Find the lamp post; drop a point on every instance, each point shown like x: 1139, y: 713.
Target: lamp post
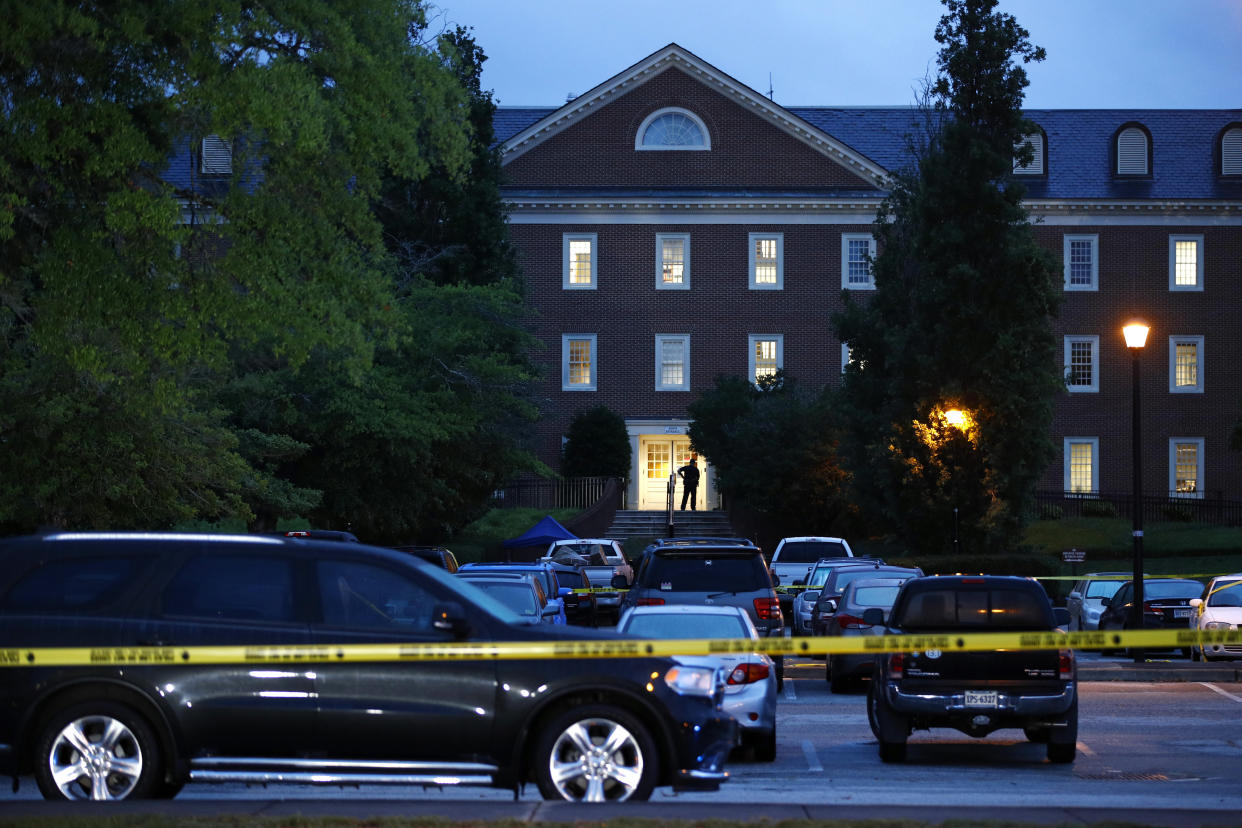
x: 956, y: 418
x: 1135, y: 332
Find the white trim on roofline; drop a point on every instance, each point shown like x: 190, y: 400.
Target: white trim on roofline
x: 673, y: 55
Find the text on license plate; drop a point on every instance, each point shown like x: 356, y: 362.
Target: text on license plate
x: 981, y: 698
x: 1181, y: 613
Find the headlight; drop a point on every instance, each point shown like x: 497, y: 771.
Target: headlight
x: 1217, y: 625
x: 691, y: 681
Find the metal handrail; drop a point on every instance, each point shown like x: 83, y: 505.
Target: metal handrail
x: 672, y: 488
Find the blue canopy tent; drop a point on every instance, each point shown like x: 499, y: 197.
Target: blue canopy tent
x: 541, y: 534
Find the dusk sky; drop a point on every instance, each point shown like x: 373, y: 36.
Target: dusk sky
x: 1123, y: 54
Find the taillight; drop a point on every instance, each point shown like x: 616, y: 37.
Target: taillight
x: 1065, y: 665
x: 650, y: 602
x: 747, y: 673
x: 850, y: 622
x: 896, y: 665
x: 767, y: 608
x: 1148, y: 606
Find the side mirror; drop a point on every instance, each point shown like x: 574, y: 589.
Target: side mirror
x: 1196, y: 602
x: 550, y: 611
x: 1075, y: 594
x: 1104, y: 602
x: 619, y: 582
x: 829, y: 606
x: 1062, y: 616
x: 450, y: 617
x: 811, y: 595
x: 873, y: 616
x: 564, y: 592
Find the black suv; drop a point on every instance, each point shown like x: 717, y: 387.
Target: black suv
x: 146, y: 713
x: 974, y: 692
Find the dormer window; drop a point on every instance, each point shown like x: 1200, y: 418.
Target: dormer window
x: 672, y: 129
x: 1036, y: 165
x: 1231, y: 151
x: 217, y: 156
x: 1133, y: 151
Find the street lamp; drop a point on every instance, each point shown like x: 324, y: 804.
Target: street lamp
x: 1135, y: 332
x: 959, y: 420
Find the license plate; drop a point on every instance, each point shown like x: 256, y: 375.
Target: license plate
x: 1181, y: 613
x: 981, y: 698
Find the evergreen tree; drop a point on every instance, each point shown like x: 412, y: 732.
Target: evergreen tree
x: 962, y: 313
x: 597, y: 445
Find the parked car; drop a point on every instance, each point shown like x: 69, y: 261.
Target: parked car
x: 138, y: 719
x: 793, y: 558
x: 520, y: 593
x: 602, y: 559
x: 1166, y: 606
x: 437, y: 555
x: 1085, y: 601
x: 1220, y: 608
x: 830, y: 593
x: 750, y: 691
x: 575, y: 589
x: 542, y: 572
x: 975, y: 693
x: 804, y: 600
x: 845, y: 669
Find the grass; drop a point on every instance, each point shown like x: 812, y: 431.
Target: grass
x: 483, y: 539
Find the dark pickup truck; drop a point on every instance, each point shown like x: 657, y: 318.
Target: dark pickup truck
x: 974, y: 692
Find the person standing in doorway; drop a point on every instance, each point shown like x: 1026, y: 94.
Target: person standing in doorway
x: 689, y: 482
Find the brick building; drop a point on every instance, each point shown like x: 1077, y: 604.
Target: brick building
x: 675, y: 225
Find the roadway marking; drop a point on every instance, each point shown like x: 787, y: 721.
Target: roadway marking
x: 1222, y: 692
x: 1084, y: 750
x: 790, y: 695
x: 812, y: 761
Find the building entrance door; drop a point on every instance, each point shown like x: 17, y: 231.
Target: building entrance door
x: 659, y: 457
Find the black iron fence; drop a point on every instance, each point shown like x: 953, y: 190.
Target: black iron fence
x: 1212, y: 507
x: 571, y: 493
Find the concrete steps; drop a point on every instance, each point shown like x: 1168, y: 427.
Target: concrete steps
x: 630, y: 523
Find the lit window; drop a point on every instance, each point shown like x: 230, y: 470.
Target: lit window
x: 1082, y: 473
x: 1036, y: 164
x: 1081, y: 254
x: 578, y: 362
x: 1133, y: 152
x: 578, y: 250
x: 672, y: 129
x: 1186, y: 467
x: 766, y: 266
x: 1185, y: 262
x: 1082, y: 363
x: 766, y: 355
x: 857, y: 251
x: 1231, y: 151
x: 672, y: 362
x: 1186, y: 364
x: 672, y: 261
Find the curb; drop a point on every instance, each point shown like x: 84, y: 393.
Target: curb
x: 1154, y: 671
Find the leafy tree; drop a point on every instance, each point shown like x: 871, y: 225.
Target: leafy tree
x: 961, y: 317
x: 775, y: 449
x: 597, y: 445
x: 120, y: 320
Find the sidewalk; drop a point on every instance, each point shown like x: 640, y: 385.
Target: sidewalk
x: 1155, y: 669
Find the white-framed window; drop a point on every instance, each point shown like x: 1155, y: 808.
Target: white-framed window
x: 1185, y: 262
x: 1036, y: 165
x: 1186, y: 467
x: 1186, y: 364
x: 1081, y: 254
x: 216, y: 156
x: 857, y: 251
x: 767, y: 355
x: 672, y: 128
x: 1082, y: 465
x: 578, y: 361
x: 1082, y: 363
x: 672, y: 261
x: 579, y: 258
x: 767, y: 265
x: 672, y: 362
x: 1132, y: 152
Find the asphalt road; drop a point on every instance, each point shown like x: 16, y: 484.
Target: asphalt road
x: 1161, y: 744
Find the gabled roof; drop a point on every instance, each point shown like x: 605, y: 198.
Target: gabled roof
x: 519, y: 139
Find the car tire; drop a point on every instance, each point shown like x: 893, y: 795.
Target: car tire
x: 765, y: 746
x: 780, y: 672
x: 123, y: 760
x: 890, y: 727
x: 871, y: 702
x: 1063, y: 740
x: 626, y: 771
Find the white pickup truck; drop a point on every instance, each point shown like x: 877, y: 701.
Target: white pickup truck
x: 794, y: 557
x: 601, y: 559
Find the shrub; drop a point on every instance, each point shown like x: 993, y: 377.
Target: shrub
x: 1099, y: 508
x: 1175, y: 512
x: 1051, y: 511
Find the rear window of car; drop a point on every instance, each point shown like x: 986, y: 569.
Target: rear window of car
x: 706, y: 573
x: 685, y: 625
x: 845, y: 577
x: 73, y: 584
x: 1171, y: 589
x: 810, y: 551
x: 876, y: 596
x: 995, y: 609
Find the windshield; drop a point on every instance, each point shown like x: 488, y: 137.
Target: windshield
x: 684, y: 625
x: 810, y: 551
x: 820, y: 574
x: 1226, y: 594
x: 516, y: 595
x: 1102, y: 589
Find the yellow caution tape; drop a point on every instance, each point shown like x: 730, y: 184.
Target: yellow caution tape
x: 621, y: 648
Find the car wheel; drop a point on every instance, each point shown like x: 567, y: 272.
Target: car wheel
x: 890, y: 728
x: 765, y: 746
x: 98, y: 751
x: 1063, y: 740
x: 595, y: 753
x: 871, y: 702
